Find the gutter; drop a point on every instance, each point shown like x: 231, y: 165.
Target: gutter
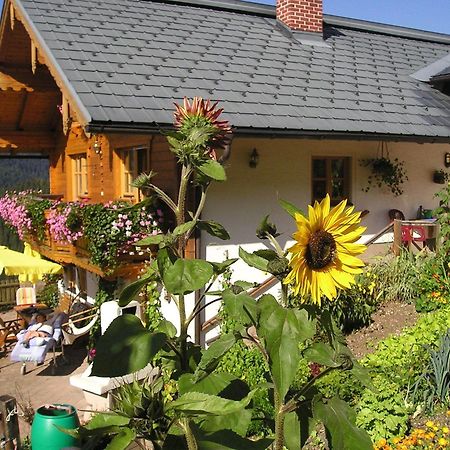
x: 271, y: 133
x: 82, y: 113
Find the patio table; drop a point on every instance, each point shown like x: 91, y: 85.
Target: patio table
x: 421, y: 233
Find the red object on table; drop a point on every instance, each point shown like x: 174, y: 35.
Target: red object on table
x: 408, y: 232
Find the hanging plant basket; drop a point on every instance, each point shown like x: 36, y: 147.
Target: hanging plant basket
x: 385, y: 172
x: 439, y: 177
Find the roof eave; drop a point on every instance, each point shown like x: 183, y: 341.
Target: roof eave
x: 153, y: 127
x: 58, y: 74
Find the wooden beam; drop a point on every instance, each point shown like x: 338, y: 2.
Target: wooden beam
x: 19, y: 124
x: 65, y: 111
x: 26, y: 141
x: 34, y: 56
x: 12, y: 15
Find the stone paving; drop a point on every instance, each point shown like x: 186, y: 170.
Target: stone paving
x: 40, y: 385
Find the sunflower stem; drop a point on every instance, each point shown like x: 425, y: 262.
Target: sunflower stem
x: 279, y: 422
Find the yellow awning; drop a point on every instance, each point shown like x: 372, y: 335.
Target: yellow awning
x: 28, y: 265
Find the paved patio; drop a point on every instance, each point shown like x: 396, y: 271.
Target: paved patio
x: 40, y: 386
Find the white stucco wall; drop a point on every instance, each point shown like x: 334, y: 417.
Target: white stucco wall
x: 284, y: 171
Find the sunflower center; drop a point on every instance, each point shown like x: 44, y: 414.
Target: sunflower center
x: 321, y: 250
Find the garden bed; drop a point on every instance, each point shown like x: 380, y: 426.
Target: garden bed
x: 390, y: 319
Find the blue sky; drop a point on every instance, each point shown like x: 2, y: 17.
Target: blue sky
x: 431, y: 15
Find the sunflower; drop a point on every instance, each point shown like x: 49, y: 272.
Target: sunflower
x: 202, y: 113
x: 324, y: 255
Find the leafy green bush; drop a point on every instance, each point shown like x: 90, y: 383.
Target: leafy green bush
x: 434, y: 284
x: 354, y: 307
x: 397, y: 276
x: 432, y: 387
x: 382, y: 412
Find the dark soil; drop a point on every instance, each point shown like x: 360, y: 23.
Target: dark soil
x: 390, y: 319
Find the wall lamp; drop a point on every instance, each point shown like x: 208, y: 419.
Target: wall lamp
x: 447, y: 160
x: 254, y: 159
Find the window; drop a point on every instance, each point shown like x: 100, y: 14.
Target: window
x: 135, y: 161
x: 80, y: 175
x: 330, y: 175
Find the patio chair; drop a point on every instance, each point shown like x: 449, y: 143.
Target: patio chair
x: 25, y: 296
x: 38, y: 353
x: 8, y: 331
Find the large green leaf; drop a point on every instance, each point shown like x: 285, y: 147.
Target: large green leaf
x: 187, y: 275
x: 290, y: 208
x: 151, y: 240
x: 107, y: 419
x: 238, y: 422
x: 197, y: 403
x: 227, y: 440
x: 165, y: 260
x: 339, y: 421
x: 322, y: 354
x: 122, y: 440
x: 130, y: 292
x: 298, y: 426
x: 214, y: 229
x: 213, y: 354
x: 253, y: 260
x: 185, y: 227
x: 283, y: 329
x: 220, y: 268
x: 213, y: 170
x: 240, y: 307
x: 126, y: 347
x: 167, y: 327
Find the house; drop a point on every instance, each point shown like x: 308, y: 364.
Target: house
x: 310, y: 96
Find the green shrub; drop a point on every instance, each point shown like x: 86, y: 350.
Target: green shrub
x: 382, y: 412
x: 432, y: 387
x: 248, y: 364
x: 402, y: 358
x: 434, y: 284
x: 397, y: 277
x: 354, y: 307
x: 394, y: 366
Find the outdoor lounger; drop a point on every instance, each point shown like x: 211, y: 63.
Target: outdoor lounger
x: 37, y: 350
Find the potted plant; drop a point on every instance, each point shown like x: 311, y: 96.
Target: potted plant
x: 440, y: 177
x: 385, y: 172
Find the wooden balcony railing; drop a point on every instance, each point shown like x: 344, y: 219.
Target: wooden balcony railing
x: 78, y: 254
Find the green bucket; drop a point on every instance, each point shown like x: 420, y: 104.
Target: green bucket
x: 44, y: 432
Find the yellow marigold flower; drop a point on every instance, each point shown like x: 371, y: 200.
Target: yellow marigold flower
x: 429, y: 424
x: 442, y: 441
x: 445, y: 430
x: 324, y: 255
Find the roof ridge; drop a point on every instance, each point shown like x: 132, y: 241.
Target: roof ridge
x: 258, y: 9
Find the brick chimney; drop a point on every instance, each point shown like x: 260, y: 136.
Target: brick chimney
x: 301, y: 15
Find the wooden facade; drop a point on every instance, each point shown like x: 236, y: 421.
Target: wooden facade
x: 40, y: 116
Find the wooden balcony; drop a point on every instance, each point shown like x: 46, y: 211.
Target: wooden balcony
x: 129, y: 266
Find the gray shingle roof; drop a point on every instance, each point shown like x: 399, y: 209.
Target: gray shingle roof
x: 129, y: 60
